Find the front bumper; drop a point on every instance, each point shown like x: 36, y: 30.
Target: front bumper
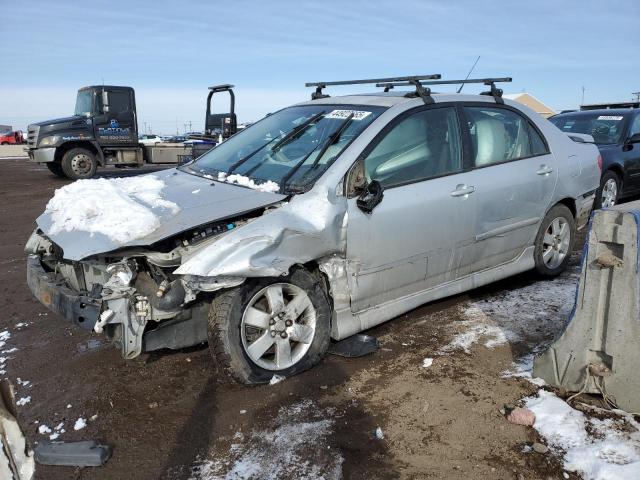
x: 41, y: 155
x: 54, y: 294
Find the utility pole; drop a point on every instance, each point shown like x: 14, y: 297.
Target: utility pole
x: 190, y: 126
x: 637, y: 94
x: 582, y: 103
x: 145, y: 127
x: 185, y: 128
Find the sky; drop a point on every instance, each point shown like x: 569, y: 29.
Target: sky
x: 170, y: 52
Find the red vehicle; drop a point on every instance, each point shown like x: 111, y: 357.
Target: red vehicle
x: 11, y: 138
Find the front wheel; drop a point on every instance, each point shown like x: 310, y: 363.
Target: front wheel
x: 270, y: 326
x: 79, y: 163
x: 56, y: 169
x: 609, y: 191
x: 554, y: 241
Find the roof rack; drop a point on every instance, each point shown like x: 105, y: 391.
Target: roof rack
x: 491, y: 82
x: 414, y: 80
x: 600, y: 106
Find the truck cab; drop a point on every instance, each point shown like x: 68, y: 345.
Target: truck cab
x: 102, y: 131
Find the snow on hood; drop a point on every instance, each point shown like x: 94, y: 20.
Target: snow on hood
x: 123, y: 209
x: 90, y: 217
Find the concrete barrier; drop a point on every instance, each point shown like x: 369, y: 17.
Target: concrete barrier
x: 12, y: 151
x: 599, y: 351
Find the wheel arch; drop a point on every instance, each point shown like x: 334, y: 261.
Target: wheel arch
x: 618, y: 170
x: 568, y: 202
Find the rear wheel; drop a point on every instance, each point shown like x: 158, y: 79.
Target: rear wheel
x: 270, y: 326
x: 554, y: 241
x: 609, y: 191
x: 56, y: 169
x: 79, y: 163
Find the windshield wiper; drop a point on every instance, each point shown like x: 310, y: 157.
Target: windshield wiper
x: 331, y: 139
x: 297, y: 131
x: 247, y: 157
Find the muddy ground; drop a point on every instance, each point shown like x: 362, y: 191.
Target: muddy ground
x: 167, y: 416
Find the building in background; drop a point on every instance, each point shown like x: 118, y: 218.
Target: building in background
x: 531, y: 102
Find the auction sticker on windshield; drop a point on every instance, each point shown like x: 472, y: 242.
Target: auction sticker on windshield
x: 610, y: 117
x: 344, y: 114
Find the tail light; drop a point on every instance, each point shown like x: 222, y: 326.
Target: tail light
x: 600, y: 162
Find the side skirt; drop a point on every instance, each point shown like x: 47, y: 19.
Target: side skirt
x: 346, y: 323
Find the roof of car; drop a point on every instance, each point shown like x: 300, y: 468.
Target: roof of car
x: 389, y: 99
x: 600, y: 111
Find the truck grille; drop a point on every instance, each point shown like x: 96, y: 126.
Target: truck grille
x: 32, y: 136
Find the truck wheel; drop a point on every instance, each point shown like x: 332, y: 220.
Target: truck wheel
x: 270, y: 326
x: 5, y: 143
x: 79, y: 163
x: 554, y: 242
x: 56, y: 169
x: 608, y: 192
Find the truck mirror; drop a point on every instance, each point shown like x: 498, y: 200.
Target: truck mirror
x: 105, y: 101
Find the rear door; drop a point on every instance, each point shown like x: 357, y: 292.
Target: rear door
x: 514, y: 176
x: 414, y: 238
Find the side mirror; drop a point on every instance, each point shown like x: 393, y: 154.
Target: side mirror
x: 105, y: 101
x: 635, y: 138
x: 371, y: 197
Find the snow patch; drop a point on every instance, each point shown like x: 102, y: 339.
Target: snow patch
x: 427, y: 362
x: 43, y: 430
x: 120, y: 208
x: 595, y: 449
x: 379, y: 433
x: 276, y: 379
x: 297, y: 442
x: 268, y: 186
x: 23, y: 401
x: 80, y: 424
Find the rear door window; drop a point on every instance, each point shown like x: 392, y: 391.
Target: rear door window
x: 423, y: 145
x: 118, y: 102
x: 500, y: 135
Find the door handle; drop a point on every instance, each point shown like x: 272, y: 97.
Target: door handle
x: 544, y: 170
x: 463, y: 190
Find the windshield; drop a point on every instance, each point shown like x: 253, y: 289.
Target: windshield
x: 290, y: 148
x: 84, y: 102
x: 604, y: 129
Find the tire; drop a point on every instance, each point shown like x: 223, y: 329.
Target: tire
x: 609, y: 190
x: 232, y: 334
x: 56, y: 169
x: 5, y: 143
x: 79, y: 163
x: 553, y: 247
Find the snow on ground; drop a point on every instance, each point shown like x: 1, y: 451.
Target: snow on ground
x: 80, y: 424
x: 528, y: 317
x: 595, y: 449
x: 123, y: 209
x: 268, y: 186
x: 295, y: 447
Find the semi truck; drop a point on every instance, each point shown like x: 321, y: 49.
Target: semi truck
x: 103, y: 131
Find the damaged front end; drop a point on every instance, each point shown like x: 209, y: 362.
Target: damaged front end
x: 132, y: 296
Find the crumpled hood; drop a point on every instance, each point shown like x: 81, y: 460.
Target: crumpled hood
x: 200, y: 201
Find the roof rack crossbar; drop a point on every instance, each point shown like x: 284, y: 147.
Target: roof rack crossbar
x: 495, y: 92
x: 412, y: 79
x: 485, y: 81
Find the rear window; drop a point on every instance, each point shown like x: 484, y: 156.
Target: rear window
x: 605, y: 128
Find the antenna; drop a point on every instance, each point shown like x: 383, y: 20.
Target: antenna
x: 469, y: 74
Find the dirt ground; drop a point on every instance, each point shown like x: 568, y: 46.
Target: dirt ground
x: 167, y: 416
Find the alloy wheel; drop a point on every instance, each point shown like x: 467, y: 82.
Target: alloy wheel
x: 556, y: 242
x: 609, y: 193
x: 278, y: 326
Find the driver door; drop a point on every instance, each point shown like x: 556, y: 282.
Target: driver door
x: 415, y: 238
